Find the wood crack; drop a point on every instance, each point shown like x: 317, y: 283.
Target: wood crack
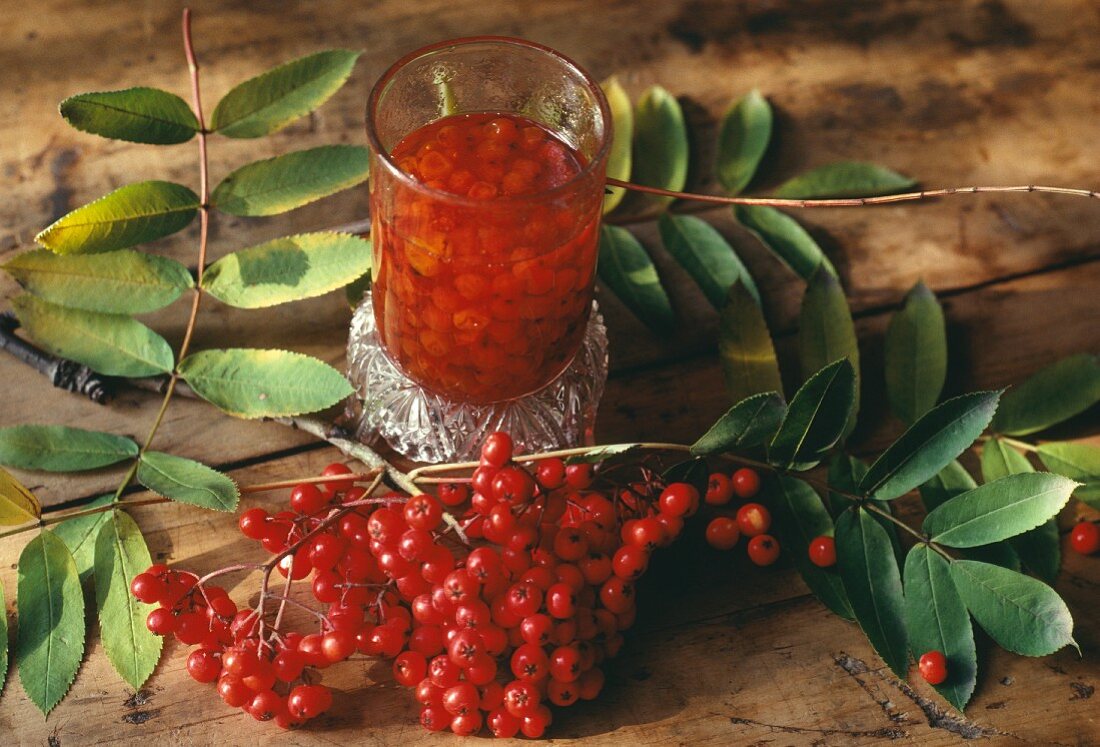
x: 886, y: 732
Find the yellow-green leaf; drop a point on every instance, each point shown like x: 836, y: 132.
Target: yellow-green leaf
x: 1080, y: 462
x: 660, y: 143
x: 745, y: 347
x: 1056, y: 393
x: 134, y: 214
x: 187, y: 481
x: 844, y: 179
x: 626, y: 268
x: 785, y: 238
x: 58, y: 448
x: 79, y: 533
x: 743, y: 140
x: 139, y: 115
x: 274, y: 99
x: 916, y: 355
x: 111, y: 344
x: 17, y: 504
x: 622, y: 120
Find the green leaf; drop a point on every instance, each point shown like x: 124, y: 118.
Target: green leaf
x: 845, y: 472
x: 826, y: 333
x: 111, y: 344
x: 356, y: 289
x: 134, y: 214
x: 949, y: 482
x: 622, y: 120
x: 79, y: 535
x: 785, y: 238
x: 3, y: 637
x: 844, y: 179
x: 745, y: 347
x: 1001, y: 460
x: 706, y: 256
x: 50, y: 642
x: 929, y: 445
x: 692, y: 471
x: 264, y: 383
x: 799, y: 518
x: 998, y: 510
x: 627, y: 270
x: 121, y: 554
x: 742, y: 141
x: 17, y: 504
x: 751, y: 422
x: 865, y: 559
x: 57, y: 448
x: 602, y: 454
x: 276, y: 185
x: 1056, y: 393
x: 274, y: 99
x: 999, y: 553
x: 187, y: 481
x: 1080, y: 462
x: 916, y: 355
x: 288, y: 269
x: 139, y: 115
x: 937, y: 620
x: 1021, y: 614
x: 815, y: 418
x: 660, y: 143
x: 120, y: 282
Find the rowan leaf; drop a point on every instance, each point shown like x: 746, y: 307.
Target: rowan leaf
x: 1022, y: 614
x: 187, y: 481
x: 274, y: 99
x: 706, y: 256
x: 844, y: 179
x: 627, y: 269
x: 1080, y: 462
x: 916, y: 355
x: 17, y: 504
x: 139, y: 115
x: 785, y: 238
x: 1056, y: 393
x: 111, y: 344
x: 277, y: 185
x: 845, y: 472
x: 742, y: 141
x: 58, y: 448
x: 949, y: 482
x: 750, y: 423
x: 263, y: 383
x: 865, y: 559
x: 79, y: 535
x: 660, y: 143
x: 826, y: 333
x: 133, y: 214
x: 745, y: 347
x: 929, y: 445
x: 815, y: 418
x: 1001, y: 460
x: 50, y: 641
x: 937, y: 620
x: 622, y: 121
x: 121, y: 554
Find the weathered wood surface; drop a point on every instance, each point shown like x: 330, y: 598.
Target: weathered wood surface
x: 952, y: 93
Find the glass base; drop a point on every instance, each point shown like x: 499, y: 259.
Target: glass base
x: 427, y: 427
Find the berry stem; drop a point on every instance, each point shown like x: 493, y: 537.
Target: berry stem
x: 284, y: 600
x: 280, y: 484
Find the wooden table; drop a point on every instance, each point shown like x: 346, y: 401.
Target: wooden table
x: 974, y: 92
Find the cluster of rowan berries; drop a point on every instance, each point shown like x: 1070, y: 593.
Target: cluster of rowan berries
x: 752, y: 519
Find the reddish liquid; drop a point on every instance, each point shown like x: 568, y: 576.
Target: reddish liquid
x: 486, y: 296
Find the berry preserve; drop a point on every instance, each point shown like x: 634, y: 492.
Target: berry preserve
x: 484, y: 254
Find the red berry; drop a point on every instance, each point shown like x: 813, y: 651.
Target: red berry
x: 497, y: 449
x: 561, y: 601
x: 309, y: 701
x: 467, y: 723
x: 630, y: 562
x: 590, y: 683
x: 723, y: 533
x: 324, y: 551
x: 461, y: 698
x: 753, y: 519
x: 423, y: 512
x: 570, y: 543
x: 288, y: 665
x: 253, y: 523
x: 617, y: 595
x: 565, y: 663
x: 822, y: 551
x: 336, y: 486
x: 1085, y: 538
x: 148, y: 588
x: 933, y: 667
x: 338, y: 645
x: 648, y: 533
x: 513, y: 485
x: 579, y: 476
x: 719, y: 490
x: 233, y: 692
x: 746, y: 483
x: 550, y: 473
x: 307, y: 499
x: 454, y: 493
x: 203, y: 666
x: 679, y: 499
x: 434, y: 718
x: 443, y: 672
x: 265, y: 705
x: 521, y: 698
x: 562, y: 693
x: 503, y: 724
x: 763, y: 549
x: 535, y: 724
x: 161, y: 621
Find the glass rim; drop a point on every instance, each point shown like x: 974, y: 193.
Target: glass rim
x: 408, y: 181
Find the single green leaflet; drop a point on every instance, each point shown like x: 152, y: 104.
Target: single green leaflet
x: 660, y: 143
x: 627, y: 269
x: 949, y: 482
x: 111, y: 344
x: 139, y: 115
x: 1021, y: 614
x: 826, y: 333
x: 815, y: 418
x: 869, y: 570
x: 1056, y: 393
x: 187, y: 481
x: 844, y: 179
x: 937, y: 438
x: 622, y: 120
x: 79, y: 535
x: 274, y: 99
x: 706, y: 256
x: 1080, y: 462
x: 937, y: 620
x: 119, y: 282
x: 785, y: 238
x: 750, y: 423
x: 58, y: 448
x: 133, y: 214
x: 799, y: 518
x: 916, y: 355
x: 276, y: 185
x: 845, y: 472
x: 121, y: 554
x: 745, y: 347
x: 742, y: 141
x: 50, y: 641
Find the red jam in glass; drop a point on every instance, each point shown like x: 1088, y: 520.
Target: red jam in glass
x: 483, y: 282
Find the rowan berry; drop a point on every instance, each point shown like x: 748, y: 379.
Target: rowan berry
x: 719, y: 490
x: 467, y: 723
x: 497, y: 449
x: 454, y: 493
x: 550, y: 473
x: 148, y: 588
x: 503, y: 724
x: 933, y: 667
x: 630, y: 562
x: 423, y: 512
x: 253, y: 523
x: 746, y: 483
x: 579, y: 476
x: 679, y: 499
x: 753, y: 519
x: 822, y: 551
x: 723, y: 533
x: 309, y: 701
x: 1085, y: 538
x: 336, y: 486
x: 513, y: 485
x: 763, y: 549
x: 307, y: 499
x: 204, y: 666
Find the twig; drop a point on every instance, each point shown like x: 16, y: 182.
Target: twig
x: 63, y: 374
